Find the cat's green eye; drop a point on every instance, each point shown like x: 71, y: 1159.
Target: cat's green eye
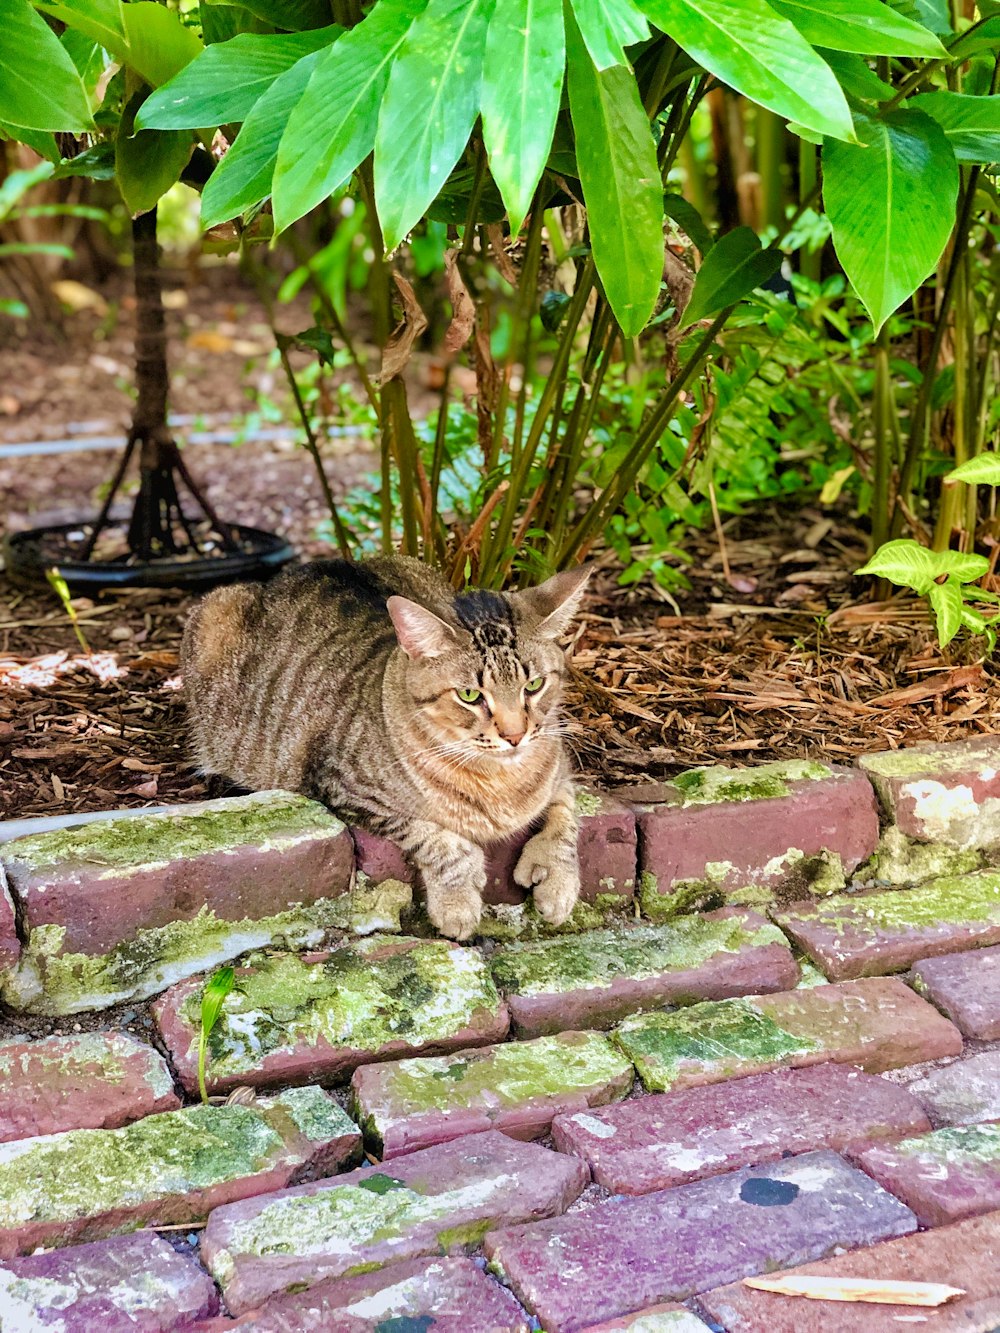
x: 469, y: 696
x: 533, y: 686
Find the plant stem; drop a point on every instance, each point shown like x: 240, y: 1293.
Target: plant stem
x: 882, y: 442
x: 645, y: 441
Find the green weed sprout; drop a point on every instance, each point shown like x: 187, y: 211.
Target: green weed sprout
x: 218, y: 987
x: 61, y: 589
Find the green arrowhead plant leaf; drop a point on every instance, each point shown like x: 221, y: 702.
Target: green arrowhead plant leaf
x: 735, y: 266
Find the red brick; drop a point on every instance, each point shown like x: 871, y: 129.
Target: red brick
x: 670, y: 1138
x: 865, y: 934
x: 117, y: 888
x: 10, y: 945
x: 85, y: 1184
x: 877, y: 1024
x: 963, y: 1255
x: 697, y: 834
x: 593, y: 980
x: 574, y: 1271
x: 943, y: 1176
x: 379, y: 859
x: 670, y: 1318
x: 941, y: 793
x: 517, y: 1087
x: 430, y: 1202
x: 448, y: 1295
x: 126, y: 1283
x: 965, y: 986
x: 294, y: 1019
x: 964, y: 1093
x: 96, y: 1080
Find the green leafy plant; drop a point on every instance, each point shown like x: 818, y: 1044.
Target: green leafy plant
x: 948, y: 579
x: 213, y: 997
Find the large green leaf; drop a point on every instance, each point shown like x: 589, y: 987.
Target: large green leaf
x: 103, y: 20
x: 222, y: 83
x: 430, y: 106
x: 616, y: 157
x: 142, y: 35
x: 332, y: 128
x: 292, y: 15
x: 243, y: 177
x: 159, y: 45
x: 855, y: 77
x: 746, y: 44
x: 40, y: 88
x: 866, y: 26
x: 735, y: 266
x: 525, y: 59
x: 148, y: 163
x: 971, y: 124
x: 891, y: 204
x: 42, y: 141
x: 608, y: 27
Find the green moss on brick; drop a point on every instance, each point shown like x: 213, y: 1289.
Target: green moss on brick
x: 717, y: 1038
x: 416, y: 991
x: 901, y: 860
x: 958, y: 1145
x: 268, y: 818
x: 705, y: 786
x: 931, y: 760
x: 952, y: 900
x: 83, y: 1173
x: 46, y: 981
x: 595, y: 960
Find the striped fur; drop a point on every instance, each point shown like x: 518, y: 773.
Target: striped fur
x: 343, y: 681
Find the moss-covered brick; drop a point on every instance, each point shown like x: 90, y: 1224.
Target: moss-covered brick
x: 719, y: 834
x: 859, y: 935
x: 943, y: 1176
x: 53, y: 980
x: 87, y: 1080
x: 941, y: 793
x: 175, y: 1167
x: 121, y: 908
x: 431, y: 1202
x: 263, y: 819
x: 877, y: 1024
x: 591, y: 980
x: 290, y: 1018
x: 706, y: 786
x: 900, y: 861
x: 517, y: 1087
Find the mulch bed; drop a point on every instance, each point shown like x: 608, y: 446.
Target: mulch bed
x: 799, y: 667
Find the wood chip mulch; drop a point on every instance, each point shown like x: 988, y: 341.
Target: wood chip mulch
x: 773, y: 653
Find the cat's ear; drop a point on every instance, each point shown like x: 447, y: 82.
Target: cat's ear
x: 420, y: 632
x: 551, y: 606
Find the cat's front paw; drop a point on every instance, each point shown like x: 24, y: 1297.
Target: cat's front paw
x: 455, y: 914
x: 556, y: 895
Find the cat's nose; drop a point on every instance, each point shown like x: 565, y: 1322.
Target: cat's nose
x: 513, y: 737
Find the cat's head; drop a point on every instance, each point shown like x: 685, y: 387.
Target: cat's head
x: 488, y: 684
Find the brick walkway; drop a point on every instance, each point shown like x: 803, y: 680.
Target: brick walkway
x: 768, y: 1040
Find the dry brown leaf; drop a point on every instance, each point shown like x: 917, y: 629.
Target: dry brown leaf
x: 871, y: 1290
x: 945, y: 682
x: 498, y: 244
x: 399, y: 348
x: 463, y: 307
x: 162, y: 659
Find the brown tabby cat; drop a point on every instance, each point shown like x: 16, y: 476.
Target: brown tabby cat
x: 433, y: 717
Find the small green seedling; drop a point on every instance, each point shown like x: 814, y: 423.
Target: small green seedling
x: 214, y: 996
x: 948, y: 579
x: 61, y: 589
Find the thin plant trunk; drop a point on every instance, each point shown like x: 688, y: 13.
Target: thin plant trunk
x: 158, y: 516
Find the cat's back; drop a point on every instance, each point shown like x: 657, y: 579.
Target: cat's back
x: 265, y: 665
